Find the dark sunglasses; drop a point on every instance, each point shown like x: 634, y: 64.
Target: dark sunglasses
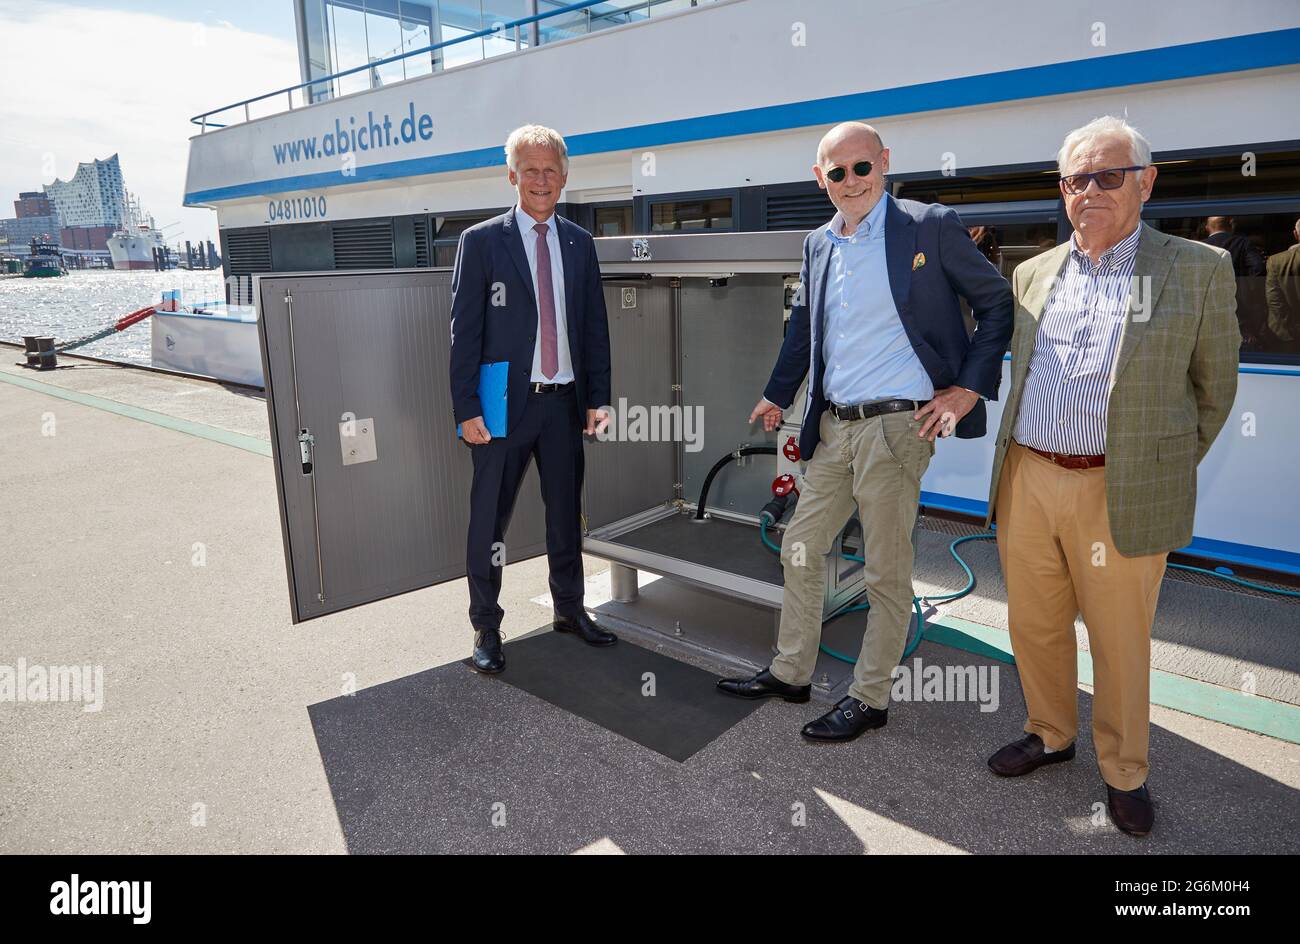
x: 861, y: 168
x: 1109, y: 179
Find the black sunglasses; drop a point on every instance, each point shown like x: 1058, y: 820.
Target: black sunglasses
x: 1109, y: 179
x: 861, y: 168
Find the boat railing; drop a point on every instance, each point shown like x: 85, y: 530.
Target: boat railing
x: 320, y: 89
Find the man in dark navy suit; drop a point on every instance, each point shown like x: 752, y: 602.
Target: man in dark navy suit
x: 526, y: 290
x: 880, y: 327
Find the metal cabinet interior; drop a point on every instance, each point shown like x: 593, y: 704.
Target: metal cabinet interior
x: 373, y: 484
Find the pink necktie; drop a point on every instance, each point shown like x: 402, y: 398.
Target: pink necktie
x: 546, y: 303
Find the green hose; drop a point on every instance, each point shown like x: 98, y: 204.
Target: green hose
x: 916, y: 601
x: 1222, y: 574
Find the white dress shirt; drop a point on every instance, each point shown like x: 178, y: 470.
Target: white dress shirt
x: 526, y: 223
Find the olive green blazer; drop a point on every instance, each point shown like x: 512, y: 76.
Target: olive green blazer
x: 1174, y: 381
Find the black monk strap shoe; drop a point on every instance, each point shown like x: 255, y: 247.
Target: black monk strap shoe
x: 848, y: 719
x: 764, y: 685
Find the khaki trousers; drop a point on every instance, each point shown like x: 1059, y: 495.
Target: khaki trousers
x: 1059, y: 560
x: 873, y: 465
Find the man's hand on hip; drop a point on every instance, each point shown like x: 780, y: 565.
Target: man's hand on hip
x: 597, y: 420
x: 945, y: 411
x: 770, y: 412
x: 475, y: 431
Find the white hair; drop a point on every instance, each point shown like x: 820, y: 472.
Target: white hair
x: 539, y: 136
x: 1107, y: 126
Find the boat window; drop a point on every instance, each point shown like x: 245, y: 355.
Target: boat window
x: 447, y: 237
x: 714, y: 213
x: 1267, y: 265
x: 613, y: 220
x: 983, y: 188
x: 1006, y: 245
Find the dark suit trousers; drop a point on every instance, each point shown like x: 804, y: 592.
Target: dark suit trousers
x: 550, y: 431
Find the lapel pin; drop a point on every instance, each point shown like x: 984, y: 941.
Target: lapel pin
x: 918, y: 260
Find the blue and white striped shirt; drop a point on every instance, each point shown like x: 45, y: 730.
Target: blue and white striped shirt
x: 1063, y: 407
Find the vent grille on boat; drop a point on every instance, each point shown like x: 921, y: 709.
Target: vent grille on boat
x: 248, y: 252
x: 798, y: 210
x: 422, y: 243
x: 363, y: 245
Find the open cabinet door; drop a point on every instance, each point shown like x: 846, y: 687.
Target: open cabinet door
x: 373, y: 483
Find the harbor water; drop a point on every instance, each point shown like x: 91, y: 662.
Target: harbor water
x: 84, y: 301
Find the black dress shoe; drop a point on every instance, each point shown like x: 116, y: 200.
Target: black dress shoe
x: 584, y: 627
x: 845, y: 721
x: 1029, y: 753
x: 764, y: 685
x: 487, y: 657
x: 1131, y: 810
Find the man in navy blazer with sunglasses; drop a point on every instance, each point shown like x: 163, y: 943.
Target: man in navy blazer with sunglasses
x: 526, y: 290
x: 879, y: 327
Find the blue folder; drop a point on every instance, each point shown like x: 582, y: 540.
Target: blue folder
x: 492, y: 396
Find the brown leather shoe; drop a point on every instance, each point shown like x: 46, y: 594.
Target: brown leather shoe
x: 1131, y: 810
x: 1028, y: 754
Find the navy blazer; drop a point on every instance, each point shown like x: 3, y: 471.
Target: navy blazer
x: 931, y: 260
x: 494, y: 315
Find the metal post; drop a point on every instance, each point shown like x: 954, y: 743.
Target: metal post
x: 622, y: 583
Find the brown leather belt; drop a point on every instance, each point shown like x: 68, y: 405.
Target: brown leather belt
x: 1069, y: 462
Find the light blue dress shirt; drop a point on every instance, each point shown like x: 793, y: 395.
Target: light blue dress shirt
x: 530, y: 236
x: 866, y: 351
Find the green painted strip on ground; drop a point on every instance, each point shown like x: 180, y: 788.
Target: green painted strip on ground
x: 248, y: 443
x: 1228, y: 706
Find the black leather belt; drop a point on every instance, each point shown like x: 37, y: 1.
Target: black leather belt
x: 549, y: 388
x: 864, y: 411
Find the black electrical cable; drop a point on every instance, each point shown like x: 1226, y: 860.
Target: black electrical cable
x: 721, y: 464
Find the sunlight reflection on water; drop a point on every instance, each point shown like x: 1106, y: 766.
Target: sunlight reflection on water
x: 85, y: 301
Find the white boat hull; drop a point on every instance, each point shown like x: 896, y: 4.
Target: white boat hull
x: 131, y: 252
x: 218, y: 346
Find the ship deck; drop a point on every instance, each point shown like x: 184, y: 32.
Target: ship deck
x: 142, y: 534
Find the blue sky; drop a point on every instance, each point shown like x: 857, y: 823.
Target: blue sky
x: 124, y: 77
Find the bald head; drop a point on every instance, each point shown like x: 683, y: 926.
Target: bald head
x: 1219, y: 224
x: 851, y: 167
x: 851, y: 133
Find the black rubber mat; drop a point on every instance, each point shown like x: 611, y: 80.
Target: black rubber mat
x: 660, y: 703
x: 713, y: 542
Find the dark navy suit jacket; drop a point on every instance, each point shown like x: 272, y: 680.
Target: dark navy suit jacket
x: 931, y: 260
x: 491, y: 266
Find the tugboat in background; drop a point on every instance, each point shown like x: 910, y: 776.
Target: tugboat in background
x: 46, y: 259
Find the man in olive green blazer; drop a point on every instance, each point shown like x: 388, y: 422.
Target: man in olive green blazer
x: 1282, y: 288
x: 1123, y: 371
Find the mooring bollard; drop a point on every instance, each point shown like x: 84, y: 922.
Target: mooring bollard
x: 40, y: 352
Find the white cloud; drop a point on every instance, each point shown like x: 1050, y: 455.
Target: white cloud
x: 86, y: 83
